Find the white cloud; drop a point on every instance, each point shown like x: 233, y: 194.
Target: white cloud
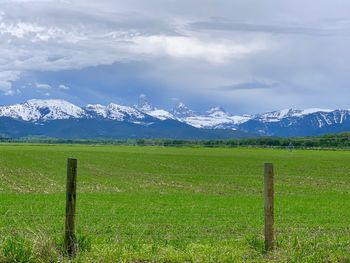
x: 42, y: 86
x: 6, y: 79
x: 19, y: 30
x: 67, y: 37
x: 287, y: 42
x: 33, y: 32
x: 193, y: 48
x: 63, y: 87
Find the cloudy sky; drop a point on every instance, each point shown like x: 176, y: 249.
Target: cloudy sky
x: 248, y: 56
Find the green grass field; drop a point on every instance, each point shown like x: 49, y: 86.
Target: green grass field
x: 154, y: 204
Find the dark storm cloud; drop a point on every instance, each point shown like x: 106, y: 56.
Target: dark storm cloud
x: 249, y: 56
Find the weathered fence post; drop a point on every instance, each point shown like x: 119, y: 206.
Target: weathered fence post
x: 269, y: 207
x: 70, y: 238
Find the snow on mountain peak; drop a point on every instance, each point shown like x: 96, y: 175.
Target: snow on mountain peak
x: 182, y: 111
x: 95, y: 106
x: 56, y: 109
x: 216, y: 118
x: 314, y: 110
x: 115, y: 112
x: 146, y: 107
x: 276, y: 116
x: 181, y: 105
x: 35, y: 109
x: 97, y: 109
x: 121, y: 112
x: 216, y: 109
x: 143, y: 104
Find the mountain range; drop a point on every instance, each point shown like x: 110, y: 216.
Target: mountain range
x: 62, y: 119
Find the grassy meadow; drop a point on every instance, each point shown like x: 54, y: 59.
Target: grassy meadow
x: 157, y: 204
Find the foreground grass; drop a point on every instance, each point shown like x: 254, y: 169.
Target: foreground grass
x: 173, y: 204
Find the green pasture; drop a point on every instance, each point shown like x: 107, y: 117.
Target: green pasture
x: 160, y: 204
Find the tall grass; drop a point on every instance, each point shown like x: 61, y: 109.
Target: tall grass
x: 149, y: 204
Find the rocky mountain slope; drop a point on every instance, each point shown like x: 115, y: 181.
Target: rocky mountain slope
x: 288, y: 122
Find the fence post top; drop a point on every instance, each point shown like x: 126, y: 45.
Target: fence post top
x: 268, y: 164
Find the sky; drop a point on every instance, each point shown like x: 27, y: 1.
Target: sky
x: 247, y: 56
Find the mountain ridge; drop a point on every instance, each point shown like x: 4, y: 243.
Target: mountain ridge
x: 287, y: 122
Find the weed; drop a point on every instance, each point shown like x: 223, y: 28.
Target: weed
x: 18, y: 250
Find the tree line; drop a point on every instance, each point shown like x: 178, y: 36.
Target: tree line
x: 326, y: 141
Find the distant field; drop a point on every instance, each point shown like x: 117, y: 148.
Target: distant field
x: 156, y: 204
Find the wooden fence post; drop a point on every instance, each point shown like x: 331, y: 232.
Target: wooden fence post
x: 269, y: 207
x: 70, y: 238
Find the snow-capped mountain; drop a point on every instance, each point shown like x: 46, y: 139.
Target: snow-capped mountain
x: 288, y: 122
x: 181, y: 111
x: 276, y: 116
x: 61, y: 119
x: 146, y: 107
x: 116, y: 112
x: 215, y: 118
x: 42, y: 110
x: 292, y: 122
